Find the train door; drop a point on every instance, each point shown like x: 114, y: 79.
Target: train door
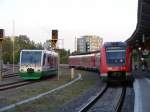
x: 51, y: 60
x: 44, y: 62
x: 55, y: 61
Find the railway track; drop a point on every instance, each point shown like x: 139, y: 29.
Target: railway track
x: 93, y: 106
x: 14, y: 85
x: 10, y: 75
x: 93, y: 100
x: 121, y: 100
x: 20, y: 83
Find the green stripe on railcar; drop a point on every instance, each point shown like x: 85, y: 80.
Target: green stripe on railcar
x: 37, y: 75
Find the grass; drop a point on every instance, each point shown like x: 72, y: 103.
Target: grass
x: 58, y: 98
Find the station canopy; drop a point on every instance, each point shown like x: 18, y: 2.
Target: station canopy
x: 141, y: 35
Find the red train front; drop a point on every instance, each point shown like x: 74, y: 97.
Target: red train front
x: 115, y: 62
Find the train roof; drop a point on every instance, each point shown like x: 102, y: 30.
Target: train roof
x: 108, y: 44
x: 85, y: 55
x: 44, y: 51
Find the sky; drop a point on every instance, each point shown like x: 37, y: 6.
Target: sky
x: 113, y: 20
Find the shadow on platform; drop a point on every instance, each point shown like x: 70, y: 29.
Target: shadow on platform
x: 141, y: 74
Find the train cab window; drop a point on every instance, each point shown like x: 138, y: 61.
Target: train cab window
x: 116, y: 57
x: 31, y: 57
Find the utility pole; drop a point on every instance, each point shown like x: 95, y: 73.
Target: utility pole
x: 1, y: 60
x: 60, y: 43
x: 75, y: 46
x: 13, y: 40
x: 58, y: 65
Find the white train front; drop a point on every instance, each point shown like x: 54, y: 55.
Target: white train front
x: 35, y: 64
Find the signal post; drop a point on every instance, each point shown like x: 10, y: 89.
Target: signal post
x: 53, y: 42
x: 54, y: 39
x: 1, y: 60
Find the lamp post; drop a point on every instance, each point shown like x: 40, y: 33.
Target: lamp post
x: 1, y: 60
x: 58, y: 65
x: 13, y: 41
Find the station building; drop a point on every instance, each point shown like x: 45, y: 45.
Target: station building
x: 140, y: 39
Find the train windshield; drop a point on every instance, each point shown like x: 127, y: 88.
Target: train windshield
x: 31, y: 57
x: 116, y: 57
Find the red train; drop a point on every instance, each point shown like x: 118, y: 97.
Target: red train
x: 113, y: 61
x: 85, y: 61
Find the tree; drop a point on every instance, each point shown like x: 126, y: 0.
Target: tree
x: 64, y: 54
x: 21, y: 42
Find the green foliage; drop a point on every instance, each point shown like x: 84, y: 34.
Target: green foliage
x: 23, y: 42
x: 7, y: 49
x: 20, y: 42
x: 64, y: 54
x: 135, y: 56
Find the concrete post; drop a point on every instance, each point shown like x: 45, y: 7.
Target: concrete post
x: 1, y: 62
x: 72, y: 73
x: 58, y: 73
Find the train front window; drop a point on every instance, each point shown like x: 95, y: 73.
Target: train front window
x: 31, y: 57
x: 115, y: 57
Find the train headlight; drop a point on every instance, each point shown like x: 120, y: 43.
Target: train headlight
x: 128, y: 73
x: 39, y: 70
x: 22, y: 70
x: 121, y: 60
x: 110, y: 68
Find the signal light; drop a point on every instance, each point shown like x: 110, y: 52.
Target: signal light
x: 54, y: 34
x: 1, y: 34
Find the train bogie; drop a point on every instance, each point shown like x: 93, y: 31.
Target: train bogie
x: 116, y: 76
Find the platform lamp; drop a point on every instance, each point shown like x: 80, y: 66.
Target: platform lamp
x: 1, y: 60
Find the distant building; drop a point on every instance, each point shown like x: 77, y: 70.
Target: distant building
x: 89, y: 43
x: 81, y: 45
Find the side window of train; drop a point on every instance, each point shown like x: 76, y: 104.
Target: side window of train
x: 54, y: 61
x: 48, y: 60
x: 99, y: 59
x: 44, y: 59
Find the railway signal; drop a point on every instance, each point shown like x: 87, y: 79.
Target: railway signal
x: 53, y: 43
x: 1, y: 60
x: 1, y: 34
x: 54, y: 39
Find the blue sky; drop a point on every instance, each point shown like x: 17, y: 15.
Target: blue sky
x: 113, y: 20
